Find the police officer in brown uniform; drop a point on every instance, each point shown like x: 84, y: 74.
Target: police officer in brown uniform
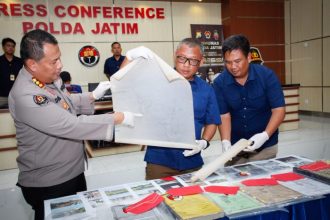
x: 49, y: 133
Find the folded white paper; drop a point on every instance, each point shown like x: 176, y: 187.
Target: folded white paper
x: 164, y: 98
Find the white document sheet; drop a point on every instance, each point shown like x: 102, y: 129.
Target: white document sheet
x: 154, y: 89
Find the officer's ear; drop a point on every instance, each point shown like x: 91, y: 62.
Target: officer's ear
x: 202, y: 61
x: 249, y: 57
x: 31, y: 64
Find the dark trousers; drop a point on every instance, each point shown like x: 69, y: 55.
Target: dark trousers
x: 155, y: 171
x: 35, y: 196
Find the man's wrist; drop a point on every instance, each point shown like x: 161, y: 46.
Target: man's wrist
x: 225, y: 141
x: 265, y: 133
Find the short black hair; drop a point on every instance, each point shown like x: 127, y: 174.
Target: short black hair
x: 32, y: 44
x: 65, y: 76
x: 236, y: 42
x: 191, y: 42
x: 115, y: 43
x: 6, y: 40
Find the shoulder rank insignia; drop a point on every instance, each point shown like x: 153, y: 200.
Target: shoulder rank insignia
x: 40, y: 100
x: 37, y: 82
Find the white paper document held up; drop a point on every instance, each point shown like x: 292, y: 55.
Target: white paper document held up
x: 153, y: 89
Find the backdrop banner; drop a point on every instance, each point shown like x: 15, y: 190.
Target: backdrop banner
x: 211, y: 37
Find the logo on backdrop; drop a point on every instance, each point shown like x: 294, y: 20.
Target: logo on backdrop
x: 89, y: 56
x: 256, y: 56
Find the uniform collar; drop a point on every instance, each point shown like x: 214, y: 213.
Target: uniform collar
x: 28, y: 75
x: 229, y: 79
x: 193, y: 81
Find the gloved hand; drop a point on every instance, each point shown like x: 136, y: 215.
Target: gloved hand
x: 101, y: 89
x: 129, y: 118
x: 139, y: 52
x: 201, y: 145
x: 226, y: 145
x: 258, y: 140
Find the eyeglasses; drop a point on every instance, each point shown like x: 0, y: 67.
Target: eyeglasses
x: 192, y: 62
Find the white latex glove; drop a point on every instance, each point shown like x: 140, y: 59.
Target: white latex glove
x: 139, y: 52
x: 101, y: 89
x: 226, y: 145
x: 129, y: 118
x: 201, y: 145
x: 258, y: 140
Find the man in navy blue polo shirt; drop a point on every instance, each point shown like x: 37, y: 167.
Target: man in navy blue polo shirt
x: 251, y: 102
x: 162, y: 161
x: 112, y: 64
x: 10, y: 65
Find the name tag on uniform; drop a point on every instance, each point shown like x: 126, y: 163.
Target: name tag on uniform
x: 12, y: 77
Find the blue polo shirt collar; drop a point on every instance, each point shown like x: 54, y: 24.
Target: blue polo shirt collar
x: 231, y: 80
x: 193, y: 80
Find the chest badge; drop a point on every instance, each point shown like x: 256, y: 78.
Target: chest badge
x: 40, y: 100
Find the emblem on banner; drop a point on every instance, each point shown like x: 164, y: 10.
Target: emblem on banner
x: 89, y: 56
x: 198, y: 34
x: 207, y: 34
x: 256, y: 56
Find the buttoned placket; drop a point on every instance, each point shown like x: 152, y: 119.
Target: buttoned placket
x: 245, y: 108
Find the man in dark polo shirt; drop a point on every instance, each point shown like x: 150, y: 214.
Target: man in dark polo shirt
x: 251, y: 102
x: 10, y: 65
x: 113, y: 63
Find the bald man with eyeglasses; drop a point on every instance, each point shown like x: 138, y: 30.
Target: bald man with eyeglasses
x: 162, y: 161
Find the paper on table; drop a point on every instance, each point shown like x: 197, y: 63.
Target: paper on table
x: 185, y: 191
x: 154, y: 89
x: 222, y: 189
x: 251, y: 170
x: 260, y: 182
x: 143, y: 188
x: 273, y: 166
x: 316, y: 166
x: 220, y: 161
x: 287, y: 176
x: 185, y: 179
x: 168, y: 178
x: 119, y: 194
x: 69, y: 207
x: 145, y: 204
x: 166, y: 185
x: 93, y: 197
x: 294, y: 160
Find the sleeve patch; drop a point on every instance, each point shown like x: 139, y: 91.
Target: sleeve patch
x: 40, y: 100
